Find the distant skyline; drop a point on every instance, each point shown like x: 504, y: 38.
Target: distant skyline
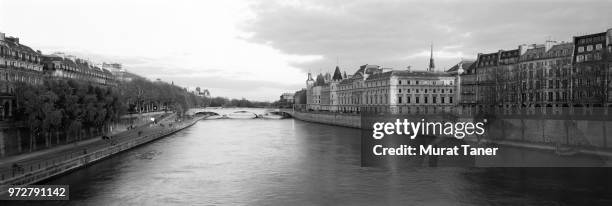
x: 261, y: 49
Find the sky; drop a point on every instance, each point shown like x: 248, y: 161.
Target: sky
x: 259, y: 49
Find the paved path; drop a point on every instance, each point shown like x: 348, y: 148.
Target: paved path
x: 39, y: 159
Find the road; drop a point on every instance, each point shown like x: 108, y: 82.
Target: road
x: 39, y: 159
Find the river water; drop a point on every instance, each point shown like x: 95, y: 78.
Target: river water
x: 291, y: 162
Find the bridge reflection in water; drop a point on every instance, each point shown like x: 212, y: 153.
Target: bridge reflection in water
x: 291, y: 162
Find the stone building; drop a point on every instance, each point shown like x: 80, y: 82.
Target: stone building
x: 542, y: 78
x: 117, y: 70
x: 592, y: 70
x: 487, y: 77
x: 286, y: 98
x: 468, y: 85
x: 18, y: 63
x: 531, y: 76
x: 350, y: 89
x: 299, y: 97
x: 418, y: 91
x: 457, y: 70
x: 333, y: 90
x: 376, y: 89
x: 58, y: 66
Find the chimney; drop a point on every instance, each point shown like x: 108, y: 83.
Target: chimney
x: 1, y: 36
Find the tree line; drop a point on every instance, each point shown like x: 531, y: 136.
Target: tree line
x: 68, y: 110
x: 226, y: 102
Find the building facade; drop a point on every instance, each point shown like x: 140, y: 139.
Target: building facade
x: 543, y: 75
x: 56, y: 66
x: 592, y: 70
x: 286, y: 98
x: 18, y: 64
x: 375, y: 89
x: 119, y: 73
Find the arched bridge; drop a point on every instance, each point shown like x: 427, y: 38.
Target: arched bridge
x: 225, y: 111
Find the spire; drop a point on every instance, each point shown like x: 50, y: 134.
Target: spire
x: 431, y: 61
x: 337, y: 75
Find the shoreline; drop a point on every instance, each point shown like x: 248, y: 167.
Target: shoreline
x: 88, y: 158
x: 355, y: 122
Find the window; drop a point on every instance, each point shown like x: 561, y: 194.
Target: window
x: 425, y: 100
x: 598, y: 47
x: 416, y: 100
x: 399, y: 100
x: 450, y: 100
x: 589, y: 48
x: 550, y: 96
x: 580, y: 49
x: 598, y: 56
x: 434, y: 100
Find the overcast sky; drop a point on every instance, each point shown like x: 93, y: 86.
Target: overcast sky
x: 260, y: 49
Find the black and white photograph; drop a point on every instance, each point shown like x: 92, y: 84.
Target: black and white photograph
x: 305, y: 102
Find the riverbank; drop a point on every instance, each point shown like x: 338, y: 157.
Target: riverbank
x: 84, y: 154
x: 354, y: 121
x: 336, y: 119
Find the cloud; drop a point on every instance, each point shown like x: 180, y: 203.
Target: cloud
x: 263, y: 48
x: 398, y: 33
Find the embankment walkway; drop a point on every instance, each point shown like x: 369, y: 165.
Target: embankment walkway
x: 13, y: 167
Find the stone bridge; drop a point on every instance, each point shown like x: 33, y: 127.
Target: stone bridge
x: 225, y: 111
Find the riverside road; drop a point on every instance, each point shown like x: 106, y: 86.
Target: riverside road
x: 19, y: 164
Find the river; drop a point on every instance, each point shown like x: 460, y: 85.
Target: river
x: 291, y: 162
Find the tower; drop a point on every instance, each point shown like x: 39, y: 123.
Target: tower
x: 431, y: 61
x: 309, y: 81
x: 337, y: 75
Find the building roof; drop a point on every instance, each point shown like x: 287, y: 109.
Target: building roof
x: 320, y: 80
x: 337, y: 75
x: 369, y: 69
x: 406, y: 73
x: 558, y: 50
x: 490, y: 59
x: 466, y: 64
x: 510, y: 54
